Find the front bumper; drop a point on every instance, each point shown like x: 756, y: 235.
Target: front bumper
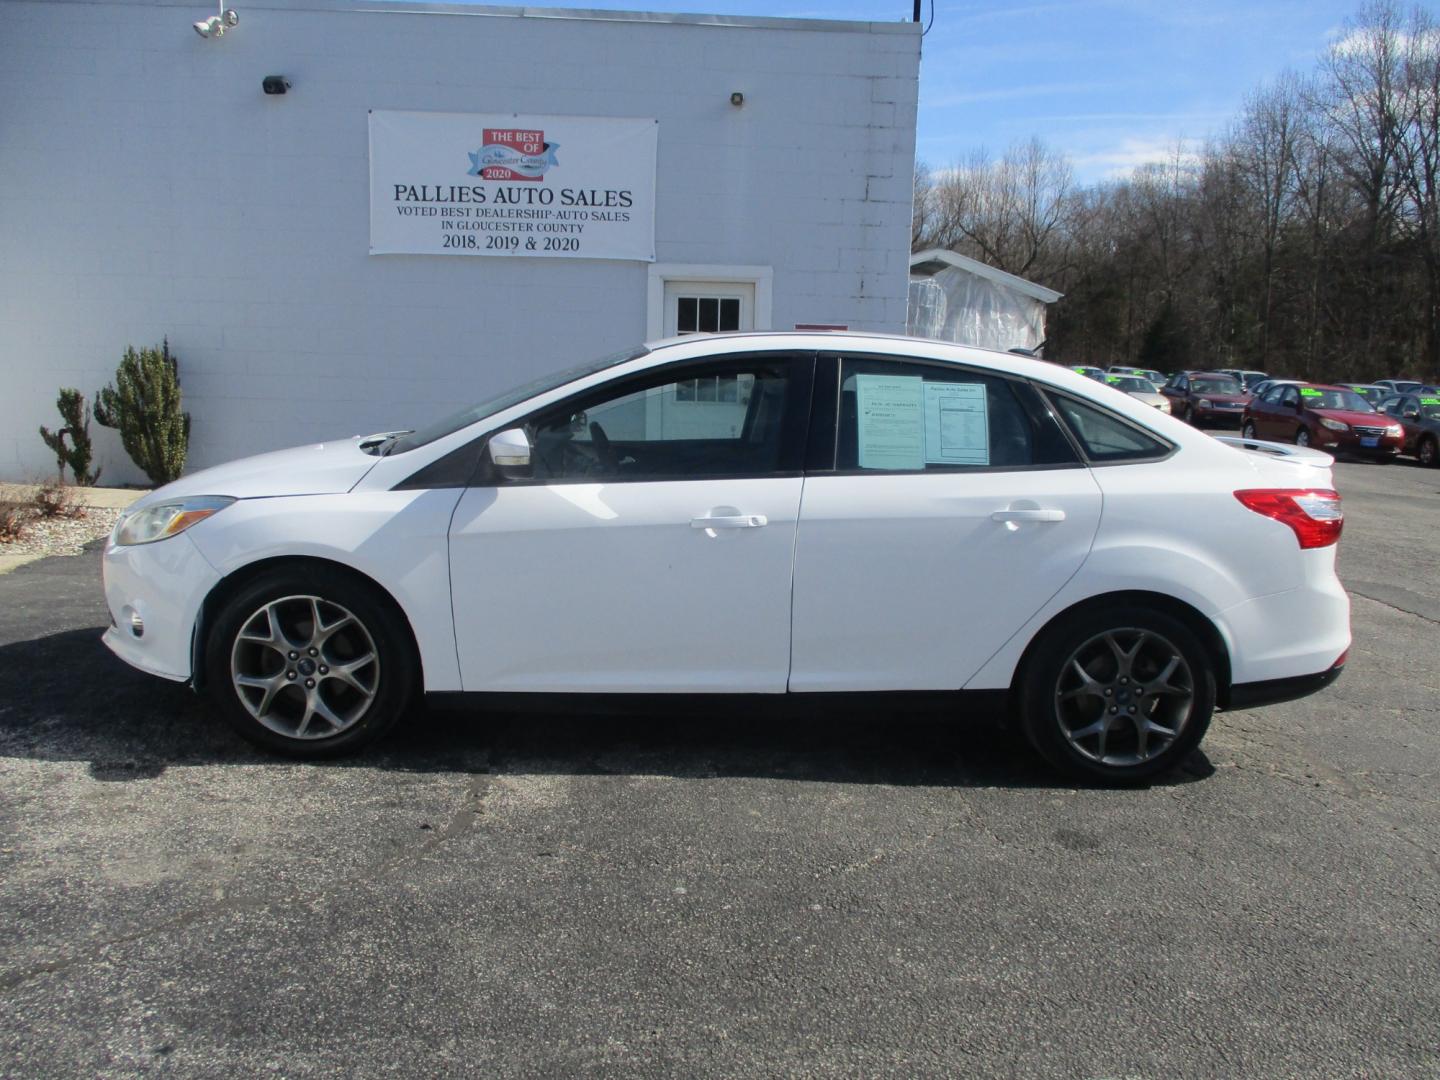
x: 1219, y: 417
x: 164, y: 584
x: 1348, y: 442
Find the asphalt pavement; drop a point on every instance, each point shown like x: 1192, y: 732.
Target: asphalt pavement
x: 862, y: 895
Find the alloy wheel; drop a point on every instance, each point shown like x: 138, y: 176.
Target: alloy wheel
x: 1124, y: 697
x: 305, y: 667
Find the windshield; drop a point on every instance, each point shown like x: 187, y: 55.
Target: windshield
x: 465, y: 417
x: 1130, y: 384
x: 1215, y: 386
x: 1334, y: 399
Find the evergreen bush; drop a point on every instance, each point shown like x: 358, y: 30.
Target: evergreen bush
x: 76, y: 414
x: 144, y: 405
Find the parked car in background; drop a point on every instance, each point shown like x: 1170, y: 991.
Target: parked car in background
x: 1330, y: 418
x: 1260, y: 387
x: 1206, y: 398
x: 1144, y: 373
x: 1140, y: 389
x: 1403, y: 386
x: 1248, y: 379
x: 1371, y: 392
x: 1098, y: 374
x: 761, y: 515
x: 1419, y: 415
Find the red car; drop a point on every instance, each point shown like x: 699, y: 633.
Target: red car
x: 1206, y: 397
x: 1329, y: 418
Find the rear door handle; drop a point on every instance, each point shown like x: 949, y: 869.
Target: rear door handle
x: 730, y: 521
x: 1028, y: 515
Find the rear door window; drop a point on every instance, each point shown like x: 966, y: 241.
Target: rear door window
x: 898, y: 416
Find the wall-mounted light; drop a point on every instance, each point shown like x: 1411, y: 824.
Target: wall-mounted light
x: 737, y: 98
x: 274, y: 84
x: 216, y: 25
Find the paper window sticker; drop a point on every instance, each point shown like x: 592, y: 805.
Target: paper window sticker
x: 957, y: 424
x: 889, y: 421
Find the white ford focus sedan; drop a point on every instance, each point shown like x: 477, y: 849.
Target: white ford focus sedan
x: 754, y: 514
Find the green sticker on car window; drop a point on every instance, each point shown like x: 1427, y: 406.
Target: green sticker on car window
x: 1430, y: 401
x: 1112, y: 379
x: 1305, y: 391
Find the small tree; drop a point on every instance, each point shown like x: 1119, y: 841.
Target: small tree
x: 144, y: 405
x: 76, y: 414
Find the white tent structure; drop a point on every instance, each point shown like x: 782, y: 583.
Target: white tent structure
x: 959, y: 299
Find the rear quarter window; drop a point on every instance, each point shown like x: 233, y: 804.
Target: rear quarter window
x: 1107, y: 438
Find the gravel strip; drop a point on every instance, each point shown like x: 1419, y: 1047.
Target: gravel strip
x: 62, y: 535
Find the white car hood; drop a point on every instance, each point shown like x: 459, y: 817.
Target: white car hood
x: 320, y: 469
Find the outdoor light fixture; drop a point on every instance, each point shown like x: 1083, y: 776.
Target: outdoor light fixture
x: 737, y: 99
x: 216, y: 25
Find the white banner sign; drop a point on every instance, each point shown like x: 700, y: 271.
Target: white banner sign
x: 579, y: 187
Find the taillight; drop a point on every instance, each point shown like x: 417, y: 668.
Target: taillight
x: 1313, y: 514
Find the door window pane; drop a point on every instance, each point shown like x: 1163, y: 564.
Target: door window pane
x: 732, y: 423
x: 897, y: 416
x: 706, y: 314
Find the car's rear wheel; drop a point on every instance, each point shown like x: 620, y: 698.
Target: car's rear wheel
x: 1117, y: 694
x: 310, y: 665
x: 1428, y: 452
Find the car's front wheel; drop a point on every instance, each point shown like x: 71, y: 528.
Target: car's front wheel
x: 1247, y: 430
x: 1117, y: 694
x: 1428, y: 452
x: 310, y: 664
x: 1302, y: 437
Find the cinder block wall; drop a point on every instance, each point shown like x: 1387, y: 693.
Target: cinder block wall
x: 149, y: 188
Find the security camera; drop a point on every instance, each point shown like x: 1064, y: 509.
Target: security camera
x: 216, y: 25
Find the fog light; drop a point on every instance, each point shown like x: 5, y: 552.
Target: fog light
x: 137, y: 624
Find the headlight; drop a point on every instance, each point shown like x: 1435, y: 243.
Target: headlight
x: 1394, y: 429
x: 167, y: 519
x: 1164, y: 406
x: 1334, y: 425
x: 1204, y: 403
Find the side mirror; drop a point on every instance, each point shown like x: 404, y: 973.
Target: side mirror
x: 509, y: 452
x: 1412, y: 414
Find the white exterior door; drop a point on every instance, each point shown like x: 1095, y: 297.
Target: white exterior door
x: 911, y: 570
x: 645, y: 555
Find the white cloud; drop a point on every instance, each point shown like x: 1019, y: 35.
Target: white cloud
x: 1118, y: 160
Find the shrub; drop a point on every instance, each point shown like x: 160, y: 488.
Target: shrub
x: 76, y: 414
x: 57, y: 500
x: 14, y: 521
x: 144, y: 404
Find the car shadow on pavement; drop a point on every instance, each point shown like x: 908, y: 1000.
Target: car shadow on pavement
x: 64, y: 697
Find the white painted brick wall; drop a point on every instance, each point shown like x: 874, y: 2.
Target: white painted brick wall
x: 148, y: 188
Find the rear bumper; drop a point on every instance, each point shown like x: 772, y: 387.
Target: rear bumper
x: 1252, y: 695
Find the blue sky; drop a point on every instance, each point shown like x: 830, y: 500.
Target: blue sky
x: 1113, y: 83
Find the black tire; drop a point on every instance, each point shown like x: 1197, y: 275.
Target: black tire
x: 1428, y: 452
x: 366, y: 697
x: 1302, y: 437
x: 1247, y: 430
x: 1053, y: 712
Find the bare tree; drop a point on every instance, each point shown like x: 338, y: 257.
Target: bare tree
x: 1008, y: 213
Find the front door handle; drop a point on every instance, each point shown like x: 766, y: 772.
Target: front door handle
x: 1028, y: 515
x: 730, y: 521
